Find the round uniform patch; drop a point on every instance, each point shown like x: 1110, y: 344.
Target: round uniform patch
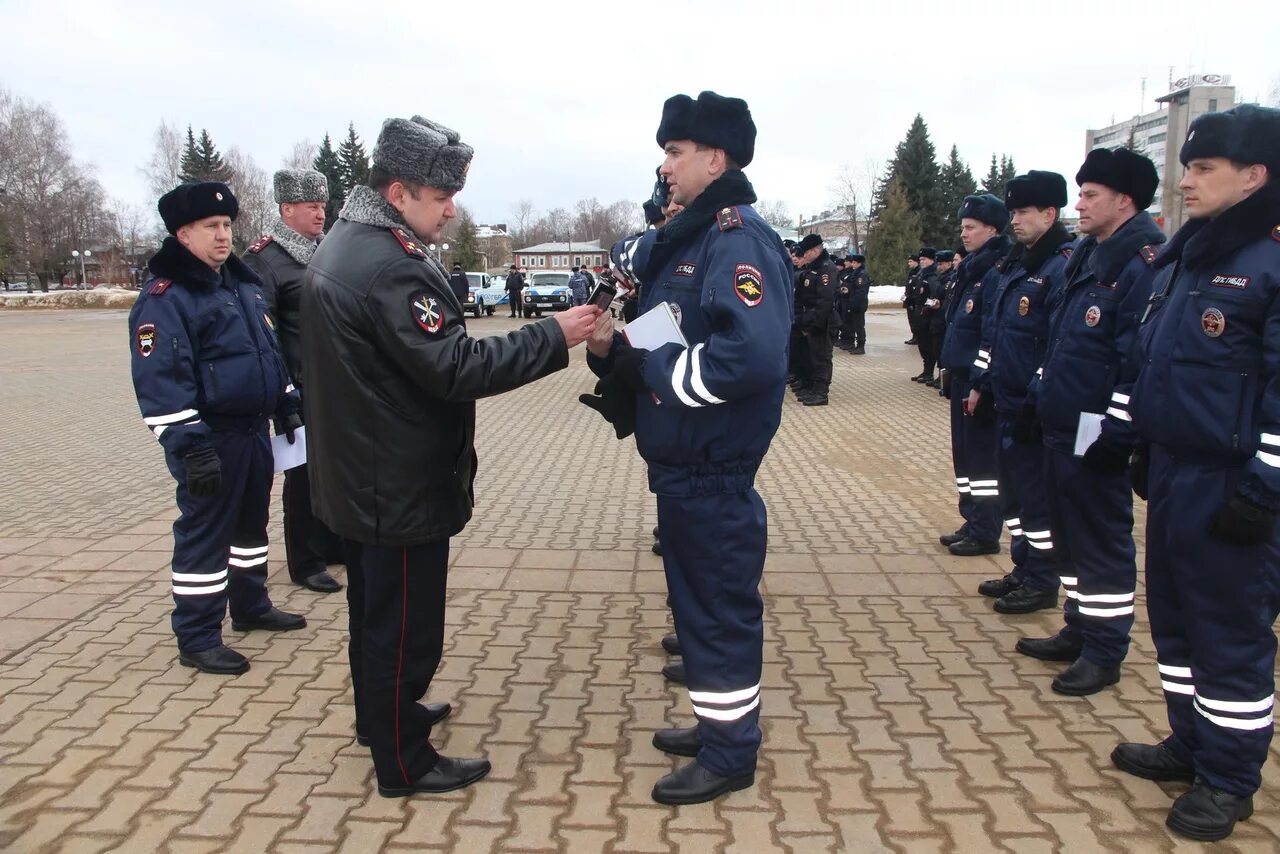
x: 427, y: 312
x: 1024, y: 306
x: 146, y: 339
x: 748, y: 284
x: 1213, y: 322
x: 1092, y: 316
x: 675, y: 309
x: 968, y: 307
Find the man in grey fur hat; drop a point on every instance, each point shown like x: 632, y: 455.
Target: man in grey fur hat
x: 280, y: 259
x: 392, y: 430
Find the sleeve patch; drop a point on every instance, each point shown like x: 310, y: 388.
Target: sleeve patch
x: 407, y: 243
x: 748, y: 284
x: 146, y: 339
x: 261, y: 243
x: 427, y: 312
x: 729, y: 218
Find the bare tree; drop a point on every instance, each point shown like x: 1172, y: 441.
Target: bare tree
x: 776, y: 213
x: 253, y: 190
x: 302, y: 156
x: 165, y: 165
x: 851, y: 204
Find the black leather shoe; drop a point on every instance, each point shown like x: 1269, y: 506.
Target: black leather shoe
x: 969, y: 547
x: 321, y: 582
x: 998, y: 587
x: 859, y: 351
x: 436, y: 712
x: 656, y: 548
x: 448, y: 775
x: 274, y: 620
x: 1208, y: 814
x: 817, y: 399
x: 1056, y: 648
x: 219, y: 659
x: 655, y: 532
x: 681, y: 741
x: 911, y: 340
x: 1152, y: 762
x: 954, y: 537
x: 694, y: 784
x: 671, y: 643
x: 674, y: 672
x: 1026, y: 600
x: 1084, y: 678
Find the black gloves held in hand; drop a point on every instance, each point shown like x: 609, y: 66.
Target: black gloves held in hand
x: 615, y: 402
x: 1106, y: 458
x: 1243, y: 523
x: 204, y: 472
x: 287, y: 423
x: 628, y: 367
x: 1139, y: 467
x: 1026, y: 426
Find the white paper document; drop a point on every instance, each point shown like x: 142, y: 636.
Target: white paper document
x: 655, y: 327
x: 290, y: 456
x: 1088, y: 431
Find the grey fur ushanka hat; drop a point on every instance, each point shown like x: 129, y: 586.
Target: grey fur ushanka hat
x: 300, y: 185
x: 421, y: 151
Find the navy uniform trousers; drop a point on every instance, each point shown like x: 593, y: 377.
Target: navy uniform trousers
x: 1092, y: 521
x: 1024, y: 502
x: 220, y: 542
x: 396, y: 613
x: 713, y: 550
x: 308, y: 543
x: 1212, y: 607
x: 973, y: 456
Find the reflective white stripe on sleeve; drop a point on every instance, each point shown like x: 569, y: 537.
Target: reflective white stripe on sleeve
x: 1040, y: 372
x: 677, y: 380
x: 288, y: 389
x: 725, y: 714
x: 981, y: 365
x: 985, y: 488
x: 1270, y: 459
x: 1102, y: 598
x: 1068, y: 580
x: 200, y: 578
x: 699, y: 388
x: 984, y: 354
x: 1119, y: 413
x: 247, y: 562
x: 1117, y: 397
x: 724, y: 697
x: 1038, y: 535
x: 172, y: 418
x: 199, y: 591
x: 249, y: 551
x: 1177, y: 688
x: 1234, y: 723
x: 1236, y: 706
x: 1270, y: 439
x: 1170, y: 670
x: 1042, y: 545
x: 1106, y: 612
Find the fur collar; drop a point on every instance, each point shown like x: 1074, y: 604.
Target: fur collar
x: 366, y: 206
x: 975, y: 266
x: 176, y: 263
x: 1201, y: 241
x: 1106, y: 259
x: 294, y: 244
x: 731, y: 188
x: 1031, y: 260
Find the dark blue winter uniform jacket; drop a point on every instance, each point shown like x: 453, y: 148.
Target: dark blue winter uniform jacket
x: 1093, y: 331
x: 1015, y: 330
x: 1209, y: 387
x: 976, y: 277
x: 204, y: 351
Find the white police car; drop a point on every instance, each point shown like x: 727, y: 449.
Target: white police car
x: 547, y: 292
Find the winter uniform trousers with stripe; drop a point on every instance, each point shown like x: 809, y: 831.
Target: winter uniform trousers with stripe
x: 1025, y: 504
x: 220, y: 542
x: 1091, y: 515
x: 1212, y: 606
x: 973, y: 456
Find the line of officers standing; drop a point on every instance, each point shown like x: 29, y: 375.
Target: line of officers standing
x: 831, y: 295
x: 1084, y: 370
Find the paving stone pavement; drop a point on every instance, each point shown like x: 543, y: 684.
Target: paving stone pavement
x: 896, y: 716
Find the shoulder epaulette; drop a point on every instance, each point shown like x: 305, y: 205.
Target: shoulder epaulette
x: 729, y: 219
x: 260, y: 244
x: 407, y: 243
x: 1148, y: 253
x: 1066, y: 251
x: 160, y: 286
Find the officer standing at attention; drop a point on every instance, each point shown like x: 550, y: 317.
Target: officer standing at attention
x: 208, y: 374
x: 933, y: 323
x: 280, y: 259
x: 818, y: 284
x: 704, y: 418
x: 983, y: 219
x: 1207, y: 400
x: 392, y: 431
x: 910, y: 296
x: 855, y: 316
x: 1088, y: 369
x: 515, y: 287
x: 459, y: 284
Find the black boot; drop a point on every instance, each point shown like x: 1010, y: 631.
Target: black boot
x: 448, y: 775
x: 1056, y: 648
x: 817, y: 398
x: 694, y: 784
x: 969, y: 547
x: 1208, y: 814
x: 998, y: 587
x: 219, y: 659
x: 674, y: 672
x: 1084, y: 678
x: 1152, y: 762
x: 273, y: 620
x: 679, y: 742
x: 955, y: 536
x: 1026, y: 600
x: 320, y: 582
x: 671, y: 643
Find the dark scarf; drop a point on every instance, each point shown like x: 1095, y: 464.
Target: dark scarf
x: 1107, y: 258
x: 1031, y: 260
x: 976, y: 265
x: 1201, y: 241
x: 731, y: 188
x: 176, y: 263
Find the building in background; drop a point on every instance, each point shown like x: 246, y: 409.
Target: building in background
x: 839, y: 231
x: 562, y: 256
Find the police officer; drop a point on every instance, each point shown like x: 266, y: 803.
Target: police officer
x: 910, y: 296
x: 704, y: 418
x: 208, y: 374
x: 818, y: 286
x: 392, y: 430
x: 800, y: 359
x: 855, y: 305
x: 932, y: 321
x: 1207, y: 400
x: 280, y: 259
x: 515, y: 287
x: 1087, y: 370
x: 459, y: 284
x: 983, y: 219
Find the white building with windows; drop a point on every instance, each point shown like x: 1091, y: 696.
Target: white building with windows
x: 562, y: 256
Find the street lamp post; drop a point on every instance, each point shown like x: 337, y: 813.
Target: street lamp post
x: 76, y: 253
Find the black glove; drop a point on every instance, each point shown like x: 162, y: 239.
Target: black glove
x: 616, y: 403
x: 1139, y: 467
x: 204, y: 472
x: 1244, y: 523
x: 628, y: 367
x: 985, y: 412
x: 287, y: 423
x: 1026, y: 426
x: 1106, y: 458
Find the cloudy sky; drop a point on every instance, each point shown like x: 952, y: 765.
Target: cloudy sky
x: 561, y: 99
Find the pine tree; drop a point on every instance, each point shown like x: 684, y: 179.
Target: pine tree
x: 894, y: 236
x: 915, y: 167
x: 1007, y: 172
x: 955, y: 182
x: 201, y: 160
x: 1132, y: 142
x: 353, y: 160
x: 991, y: 183
x: 466, y: 247
x: 327, y: 164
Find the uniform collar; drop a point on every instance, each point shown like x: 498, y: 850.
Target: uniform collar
x: 1203, y: 240
x: 176, y: 263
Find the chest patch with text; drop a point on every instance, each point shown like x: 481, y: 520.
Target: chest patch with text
x: 1224, y: 281
x: 685, y: 269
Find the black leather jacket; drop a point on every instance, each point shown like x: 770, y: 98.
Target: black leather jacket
x: 392, y: 382
x: 282, y: 287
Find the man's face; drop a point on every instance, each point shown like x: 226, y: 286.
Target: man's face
x: 208, y: 239
x: 926, y: 262
x: 427, y: 213
x: 812, y: 255
x: 306, y: 218
x: 857, y: 265
x: 1030, y: 224
x: 974, y: 233
x: 689, y: 170
x: 1102, y: 209
x: 1213, y: 184
x: 944, y: 266
x: 912, y: 264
